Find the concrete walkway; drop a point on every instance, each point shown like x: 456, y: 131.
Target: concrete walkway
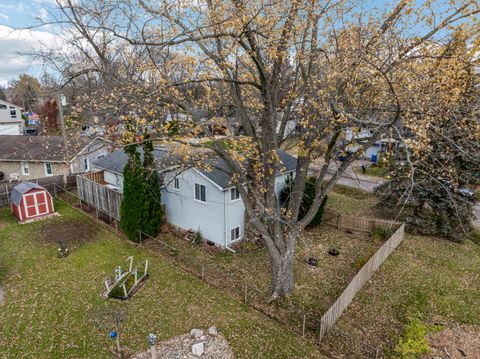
x: 350, y: 178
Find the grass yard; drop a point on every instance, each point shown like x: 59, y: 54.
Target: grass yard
x: 433, y: 280
x: 50, y: 303
x: 374, y: 171
x: 316, y: 288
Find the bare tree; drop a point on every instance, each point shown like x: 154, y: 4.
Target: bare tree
x: 327, y: 66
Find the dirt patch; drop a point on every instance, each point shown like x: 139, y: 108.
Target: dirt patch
x: 456, y: 342
x: 71, y: 233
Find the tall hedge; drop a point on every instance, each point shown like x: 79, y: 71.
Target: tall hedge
x: 134, y: 201
x: 307, y: 201
x: 154, y: 212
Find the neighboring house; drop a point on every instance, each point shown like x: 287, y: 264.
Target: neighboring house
x: 361, y: 137
x: 92, y: 130
x: 11, y: 122
x: 194, y: 198
x: 30, y: 157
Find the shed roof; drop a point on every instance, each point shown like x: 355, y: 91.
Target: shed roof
x: 21, y: 189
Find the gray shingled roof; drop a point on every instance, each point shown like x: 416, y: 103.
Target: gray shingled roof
x: 39, y: 148
x: 116, y: 161
x: 19, y: 190
x: 220, y: 171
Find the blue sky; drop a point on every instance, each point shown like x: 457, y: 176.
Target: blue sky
x: 25, y: 13
x: 21, y: 14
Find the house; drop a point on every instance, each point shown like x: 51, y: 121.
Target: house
x: 195, y: 198
x: 361, y: 136
x: 32, y: 157
x: 30, y: 201
x: 11, y: 122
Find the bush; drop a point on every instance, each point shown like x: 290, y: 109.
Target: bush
x: 413, y: 343
x: 307, y: 201
x: 198, y: 239
x: 153, y: 210
x: 474, y: 236
x: 134, y: 201
x: 381, y: 233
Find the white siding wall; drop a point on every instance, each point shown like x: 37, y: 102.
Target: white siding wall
x: 214, y: 219
x: 92, y: 153
x: 5, y: 114
x: 10, y: 129
x: 234, y: 217
x: 113, y: 179
x: 183, y: 211
x: 280, y: 183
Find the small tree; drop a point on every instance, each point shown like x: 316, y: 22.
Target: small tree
x: 307, y: 201
x: 153, y: 209
x: 134, y: 202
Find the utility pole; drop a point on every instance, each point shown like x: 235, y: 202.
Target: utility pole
x: 62, y: 120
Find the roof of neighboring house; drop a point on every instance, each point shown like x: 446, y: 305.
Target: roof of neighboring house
x: 9, y: 103
x: 21, y: 189
x: 116, y: 161
x: 219, y: 173
x: 40, y: 148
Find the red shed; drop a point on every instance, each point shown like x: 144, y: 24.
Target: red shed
x: 30, y: 201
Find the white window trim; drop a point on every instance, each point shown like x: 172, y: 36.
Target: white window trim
x: 176, y: 181
x: 197, y: 200
x: 45, y: 168
x: 35, y: 204
x: 239, y: 196
x: 22, y: 165
x: 239, y: 234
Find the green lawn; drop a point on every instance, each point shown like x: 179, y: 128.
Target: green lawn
x: 50, y: 302
x: 434, y: 280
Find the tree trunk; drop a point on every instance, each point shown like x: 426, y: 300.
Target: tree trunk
x: 282, y: 274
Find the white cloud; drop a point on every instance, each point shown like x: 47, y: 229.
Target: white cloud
x: 4, y: 16
x: 42, y: 14
x: 18, y: 46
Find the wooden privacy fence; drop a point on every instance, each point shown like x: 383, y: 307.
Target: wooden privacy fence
x: 99, y: 196
x: 360, y: 224
x: 50, y: 183
x: 331, y: 315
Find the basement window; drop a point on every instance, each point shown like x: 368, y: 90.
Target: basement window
x: 234, y: 234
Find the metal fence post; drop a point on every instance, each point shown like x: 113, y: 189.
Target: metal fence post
x: 303, y: 324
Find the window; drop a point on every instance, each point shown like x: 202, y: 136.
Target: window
x: 25, y: 169
x: 3, y: 107
x: 234, y: 194
x: 234, y: 234
x: 290, y: 176
x: 13, y: 114
x: 200, y: 192
x: 101, y: 156
x: 86, y: 164
x: 48, y: 169
x: 176, y: 184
